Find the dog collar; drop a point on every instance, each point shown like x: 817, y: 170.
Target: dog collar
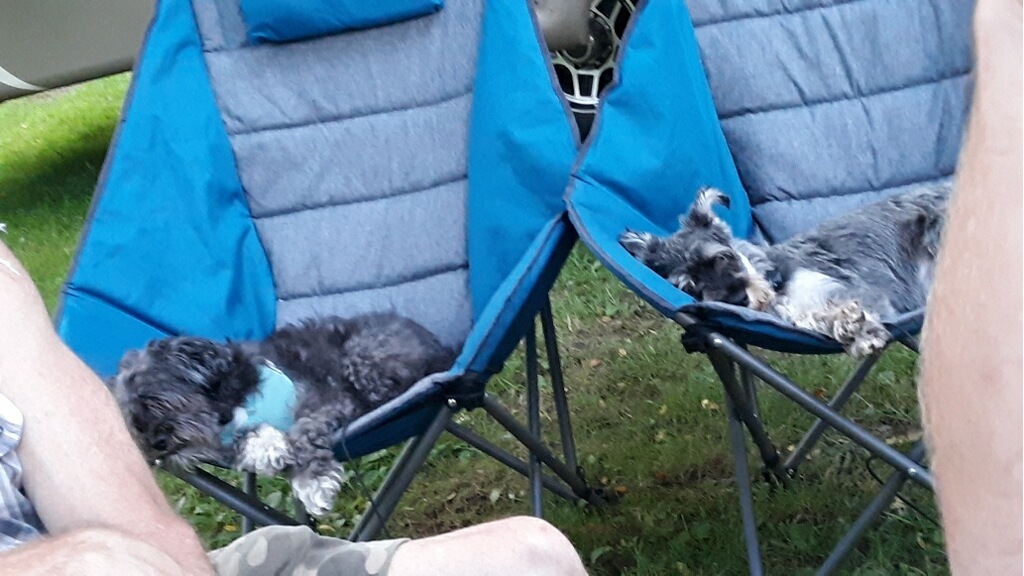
x: 272, y: 403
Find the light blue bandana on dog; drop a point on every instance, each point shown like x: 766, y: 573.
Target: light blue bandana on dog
x: 272, y: 403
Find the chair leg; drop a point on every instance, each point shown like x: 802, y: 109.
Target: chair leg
x: 558, y: 386
x: 911, y: 342
x: 739, y: 400
x: 738, y: 444
x: 533, y: 420
x: 750, y: 389
x: 302, y: 515
x: 536, y: 446
x: 837, y: 403
x: 805, y: 400
x: 878, y: 505
x: 508, y: 459
x: 250, y: 489
x: 540, y: 455
x: 399, y: 478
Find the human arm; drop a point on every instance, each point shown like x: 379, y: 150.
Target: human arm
x: 971, y: 386
x: 89, y: 552
x: 81, y: 469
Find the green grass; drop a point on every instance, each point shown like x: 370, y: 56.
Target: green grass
x: 648, y: 417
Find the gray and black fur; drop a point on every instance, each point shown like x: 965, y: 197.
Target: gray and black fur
x: 178, y: 394
x: 841, y: 278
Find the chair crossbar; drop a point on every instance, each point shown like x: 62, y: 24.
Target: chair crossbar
x: 247, y: 505
x: 836, y: 404
x: 536, y: 446
x: 743, y: 412
x: 508, y: 459
x: 873, y: 510
x: 888, y: 454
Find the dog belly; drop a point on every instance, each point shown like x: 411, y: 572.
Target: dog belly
x: 807, y: 292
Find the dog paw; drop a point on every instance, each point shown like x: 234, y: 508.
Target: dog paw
x: 864, y: 347
x: 847, y: 322
x: 265, y: 451
x: 636, y: 243
x: 317, y: 493
x: 873, y: 338
x: 760, y: 295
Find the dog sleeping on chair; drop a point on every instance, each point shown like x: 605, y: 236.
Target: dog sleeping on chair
x: 273, y: 406
x: 839, y: 279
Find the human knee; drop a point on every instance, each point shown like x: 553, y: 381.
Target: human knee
x: 544, y: 549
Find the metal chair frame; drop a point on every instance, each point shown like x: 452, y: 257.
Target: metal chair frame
x: 728, y: 357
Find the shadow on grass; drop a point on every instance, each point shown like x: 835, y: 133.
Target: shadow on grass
x: 52, y: 148
x: 43, y: 170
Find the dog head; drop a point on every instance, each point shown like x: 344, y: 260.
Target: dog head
x: 177, y: 394
x: 701, y: 259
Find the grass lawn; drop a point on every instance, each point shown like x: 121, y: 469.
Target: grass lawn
x: 648, y: 417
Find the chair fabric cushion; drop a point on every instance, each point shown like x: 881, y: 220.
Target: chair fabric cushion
x: 356, y: 188
x: 831, y: 104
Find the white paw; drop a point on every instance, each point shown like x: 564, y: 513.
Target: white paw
x: 871, y: 340
x: 264, y: 451
x: 864, y: 347
x: 848, y: 322
x: 759, y: 293
x: 317, y: 492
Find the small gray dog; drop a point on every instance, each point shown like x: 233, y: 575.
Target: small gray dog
x: 272, y: 406
x: 840, y: 279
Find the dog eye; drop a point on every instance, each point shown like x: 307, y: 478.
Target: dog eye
x: 138, y: 423
x: 724, y: 259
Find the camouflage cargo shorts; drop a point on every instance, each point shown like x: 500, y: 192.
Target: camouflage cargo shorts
x: 298, y: 551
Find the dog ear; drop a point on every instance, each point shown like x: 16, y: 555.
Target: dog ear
x: 640, y: 245
x: 234, y: 377
x: 700, y: 213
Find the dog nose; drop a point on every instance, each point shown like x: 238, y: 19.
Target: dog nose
x: 738, y: 299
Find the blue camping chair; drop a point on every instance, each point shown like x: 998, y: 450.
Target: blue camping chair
x: 277, y: 160
x: 799, y: 112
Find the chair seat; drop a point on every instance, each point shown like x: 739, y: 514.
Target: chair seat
x: 600, y: 216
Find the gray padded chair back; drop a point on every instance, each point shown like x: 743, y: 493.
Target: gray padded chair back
x: 829, y: 104
x: 382, y: 225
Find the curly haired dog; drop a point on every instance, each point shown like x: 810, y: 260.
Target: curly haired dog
x: 272, y: 406
x: 839, y: 279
